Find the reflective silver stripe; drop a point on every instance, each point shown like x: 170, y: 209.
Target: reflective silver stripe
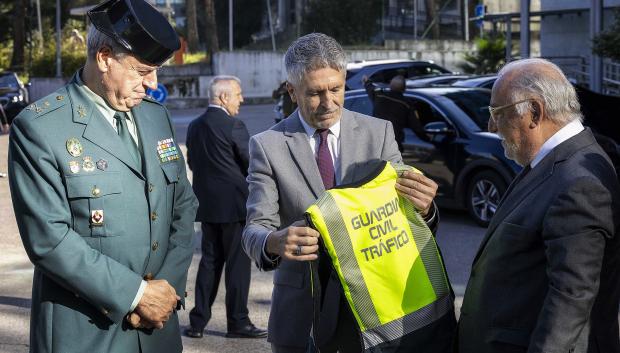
x: 363, y: 304
x: 425, y: 242
x: 408, y: 323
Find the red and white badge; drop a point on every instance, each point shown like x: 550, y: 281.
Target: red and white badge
x: 96, y: 217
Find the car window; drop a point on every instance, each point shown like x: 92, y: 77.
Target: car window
x: 8, y: 81
x: 475, y: 104
x: 360, y: 104
x: 424, y: 70
x: 385, y: 76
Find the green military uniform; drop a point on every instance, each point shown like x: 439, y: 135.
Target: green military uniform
x: 94, y: 223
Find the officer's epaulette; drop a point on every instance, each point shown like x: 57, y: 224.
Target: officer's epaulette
x: 46, y: 104
x: 151, y: 100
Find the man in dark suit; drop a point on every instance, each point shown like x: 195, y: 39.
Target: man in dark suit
x: 391, y: 105
x: 545, y: 278
x: 217, y: 153
x: 319, y: 146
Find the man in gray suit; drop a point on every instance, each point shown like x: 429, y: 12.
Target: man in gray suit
x: 545, y: 278
x: 291, y: 165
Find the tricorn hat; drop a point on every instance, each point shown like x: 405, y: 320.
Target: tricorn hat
x: 138, y: 27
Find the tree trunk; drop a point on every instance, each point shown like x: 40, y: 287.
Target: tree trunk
x: 19, y: 35
x: 431, y: 13
x: 213, y: 45
x: 192, y: 26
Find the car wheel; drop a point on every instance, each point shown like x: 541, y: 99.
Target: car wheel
x: 484, y: 192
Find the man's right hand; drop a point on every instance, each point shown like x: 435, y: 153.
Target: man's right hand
x: 296, y: 242
x: 157, y: 302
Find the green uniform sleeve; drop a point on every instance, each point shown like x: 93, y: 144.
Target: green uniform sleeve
x: 44, y: 220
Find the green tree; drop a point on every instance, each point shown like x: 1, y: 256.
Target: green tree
x: 489, y: 56
x: 348, y: 21
x: 607, y: 44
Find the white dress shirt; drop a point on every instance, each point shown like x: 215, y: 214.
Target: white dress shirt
x: 569, y: 130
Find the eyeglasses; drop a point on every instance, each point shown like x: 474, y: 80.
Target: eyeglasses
x: 493, y: 110
x: 145, y: 71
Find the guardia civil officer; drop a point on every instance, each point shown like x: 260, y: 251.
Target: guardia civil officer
x: 101, y: 197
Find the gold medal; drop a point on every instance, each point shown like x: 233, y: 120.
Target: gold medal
x: 74, y: 147
x: 87, y: 164
x: 74, y: 167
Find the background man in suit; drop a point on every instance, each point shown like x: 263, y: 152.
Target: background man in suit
x: 101, y: 196
x: 392, y: 105
x: 545, y: 278
x: 217, y: 154
x: 291, y: 165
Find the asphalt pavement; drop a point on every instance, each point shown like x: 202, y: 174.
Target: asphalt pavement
x: 458, y: 238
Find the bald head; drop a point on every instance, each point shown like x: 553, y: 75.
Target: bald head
x: 543, y: 80
x: 397, y: 84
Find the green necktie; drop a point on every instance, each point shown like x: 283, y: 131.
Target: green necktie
x: 123, y: 133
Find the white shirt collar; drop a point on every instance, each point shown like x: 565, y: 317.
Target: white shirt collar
x: 334, y: 129
x: 569, y: 130
x: 220, y: 107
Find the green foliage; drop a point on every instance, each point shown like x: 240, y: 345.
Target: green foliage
x: 607, y: 44
x: 191, y: 58
x: 488, y: 58
x: 73, y: 56
x: 350, y: 22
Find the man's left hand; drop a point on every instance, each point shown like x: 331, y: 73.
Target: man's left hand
x: 418, y: 189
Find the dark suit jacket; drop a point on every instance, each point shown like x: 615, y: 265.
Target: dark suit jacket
x: 547, y: 275
x: 217, y: 154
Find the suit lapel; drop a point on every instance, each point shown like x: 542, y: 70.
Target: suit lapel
x: 519, y: 189
x: 348, y: 150
x: 297, y: 142
x: 98, y: 130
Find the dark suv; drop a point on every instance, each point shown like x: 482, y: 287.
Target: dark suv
x: 13, y: 94
x: 458, y: 153
x: 382, y: 71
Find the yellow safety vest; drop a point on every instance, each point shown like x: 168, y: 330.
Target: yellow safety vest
x: 385, y: 256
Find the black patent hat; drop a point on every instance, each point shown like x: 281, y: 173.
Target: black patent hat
x: 138, y: 27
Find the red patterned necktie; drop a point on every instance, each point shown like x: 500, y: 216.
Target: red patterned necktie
x: 324, y: 160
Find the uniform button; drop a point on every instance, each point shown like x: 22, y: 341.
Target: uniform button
x: 155, y: 246
x: 153, y: 216
x: 96, y: 192
x: 151, y: 187
x: 104, y: 311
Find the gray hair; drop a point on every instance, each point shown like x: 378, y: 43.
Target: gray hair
x: 557, y: 93
x: 96, y: 39
x: 312, y: 52
x: 221, y: 84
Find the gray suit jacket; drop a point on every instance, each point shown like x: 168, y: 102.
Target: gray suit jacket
x: 546, y: 277
x: 284, y: 181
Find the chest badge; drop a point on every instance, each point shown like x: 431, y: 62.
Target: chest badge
x: 167, y: 150
x: 87, y: 164
x: 102, y: 165
x: 74, y: 147
x: 96, y: 218
x: 74, y: 167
